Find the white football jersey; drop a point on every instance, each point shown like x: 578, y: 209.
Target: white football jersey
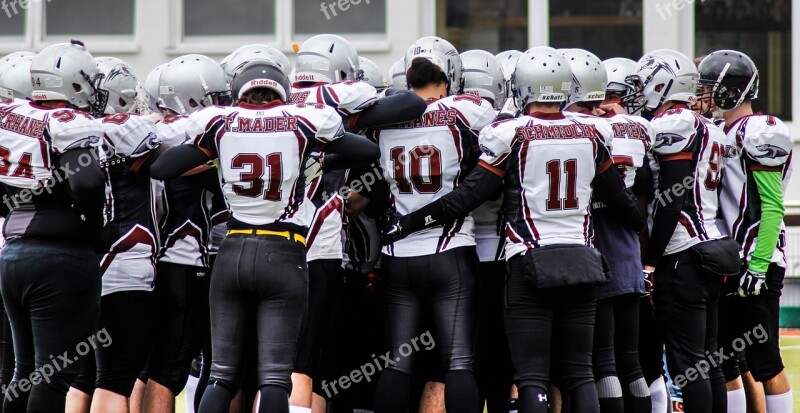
x: 633, y: 138
x: 262, y: 152
x: 549, y: 163
x: 425, y: 159
x: 757, y: 142
x: 324, y: 239
x: 130, y: 237
x: 682, y: 134
x: 32, y: 135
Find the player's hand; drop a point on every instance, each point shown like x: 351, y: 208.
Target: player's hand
x: 649, y: 282
x: 613, y: 108
x: 392, y: 228
x: 313, y: 168
x: 752, y: 283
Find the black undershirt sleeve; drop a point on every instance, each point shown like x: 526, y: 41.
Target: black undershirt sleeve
x: 399, y: 107
x: 178, y: 160
x: 667, y: 209
x: 350, y: 151
x: 620, y: 202
x: 86, y: 184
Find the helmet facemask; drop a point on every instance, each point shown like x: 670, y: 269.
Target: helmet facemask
x: 98, y: 98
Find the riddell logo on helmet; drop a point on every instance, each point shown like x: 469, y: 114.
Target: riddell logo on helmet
x: 263, y: 82
x: 304, y: 78
x: 39, y: 96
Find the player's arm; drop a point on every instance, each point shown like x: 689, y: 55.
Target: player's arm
x: 142, y: 164
x: 350, y: 151
x: 178, y: 160
x: 399, y: 107
x: 770, y: 190
x: 674, y: 172
x: 87, y: 184
x: 610, y: 188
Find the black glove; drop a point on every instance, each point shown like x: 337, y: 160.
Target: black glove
x: 392, y: 227
x: 752, y: 283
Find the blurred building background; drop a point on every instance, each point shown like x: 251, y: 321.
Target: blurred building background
x: 149, y: 32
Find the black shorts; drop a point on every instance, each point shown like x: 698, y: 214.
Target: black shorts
x: 181, y: 324
x: 259, y: 283
x: 325, y: 284
x: 752, y: 324
x: 445, y: 282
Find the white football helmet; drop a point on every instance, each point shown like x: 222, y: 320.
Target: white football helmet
x: 541, y: 75
x: 15, y: 78
x: 67, y: 72
x: 483, y: 76
x: 508, y: 60
x: 442, y: 54
x: 192, y: 82
x: 372, y: 74
x: 120, y: 83
x: 236, y: 60
x: 14, y: 56
x: 618, y: 69
x: 397, y: 75
x: 149, y: 89
x: 662, y: 76
x: 588, y: 77
x: 326, y: 58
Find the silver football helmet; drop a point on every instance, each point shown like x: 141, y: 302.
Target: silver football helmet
x: 397, y: 75
x: 588, y: 77
x: 541, y: 75
x: 149, y: 89
x: 618, y: 69
x: 483, y: 76
x: 120, y: 83
x: 192, y: 82
x: 508, y: 60
x: 326, y: 58
x: 67, y: 72
x: 236, y: 60
x: 14, y: 56
x: 372, y: 74
x: 662, y: 76
x: 442, y: 54
x: 15, y: 78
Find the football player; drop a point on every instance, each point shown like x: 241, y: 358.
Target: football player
x: 547, y: 305
x: 265, y: 290
x: 53, y: 186
x: 372, y: 74
x: 186, y: 85
x: 757, y: 171
x: 127, y: 262
x: 423, y: 159
x: 397, y: 74
x: 327, y: 72
x: 686, y: 288
x: 484, y: 77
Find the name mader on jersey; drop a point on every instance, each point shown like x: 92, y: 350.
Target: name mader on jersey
x: 324, y: 239
x: 185, y: 225
x: 756, y: 142
x: 551, y: 162
x: 262, y: 152
x: 682, y: 134
x: 33, y: 137
x: 130, y: 239
x: 427, y: 158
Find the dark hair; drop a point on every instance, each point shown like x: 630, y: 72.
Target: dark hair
x: 423, y: 72
x: 259, y: 96
x: 590, y: 106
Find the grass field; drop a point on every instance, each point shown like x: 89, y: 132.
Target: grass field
x: 790, y: 345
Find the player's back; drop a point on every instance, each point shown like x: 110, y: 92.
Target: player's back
x: 425, y: 159
x: 551, y: 162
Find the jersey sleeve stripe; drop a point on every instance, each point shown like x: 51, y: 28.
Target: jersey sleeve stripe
x: 493, y: 169
x: 687, y: 156
x: 759, y: 167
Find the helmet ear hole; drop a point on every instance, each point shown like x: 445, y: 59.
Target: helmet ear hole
x: 77, y: 87
x: 122, y: 102
x: 193, y: 103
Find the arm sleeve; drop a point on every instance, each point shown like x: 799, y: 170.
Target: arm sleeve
x: 87, y: 185
x: 772, y: 211
x: 480, y: 185
x: 621, y: 202
x: 668, y: 205
x: 400, y: 107
x: 350, y: 151
x: 141, y: 165
x: 177, y: 160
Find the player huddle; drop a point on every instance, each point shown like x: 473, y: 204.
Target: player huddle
x: 552, y: 225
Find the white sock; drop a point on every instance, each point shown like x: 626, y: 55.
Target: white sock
x: 779, y: 403
x: 737, y: 401
x: 658, y: 396
x: 189, y: 391
x: 295, y: 409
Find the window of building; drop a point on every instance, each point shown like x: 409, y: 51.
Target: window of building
x: 330, y: 16
x: 228, y: 17
x: 491, y: 25
x: 89, y: 17
x: 13, y: 20
x: 611, y: 28
x: 763, y: 32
